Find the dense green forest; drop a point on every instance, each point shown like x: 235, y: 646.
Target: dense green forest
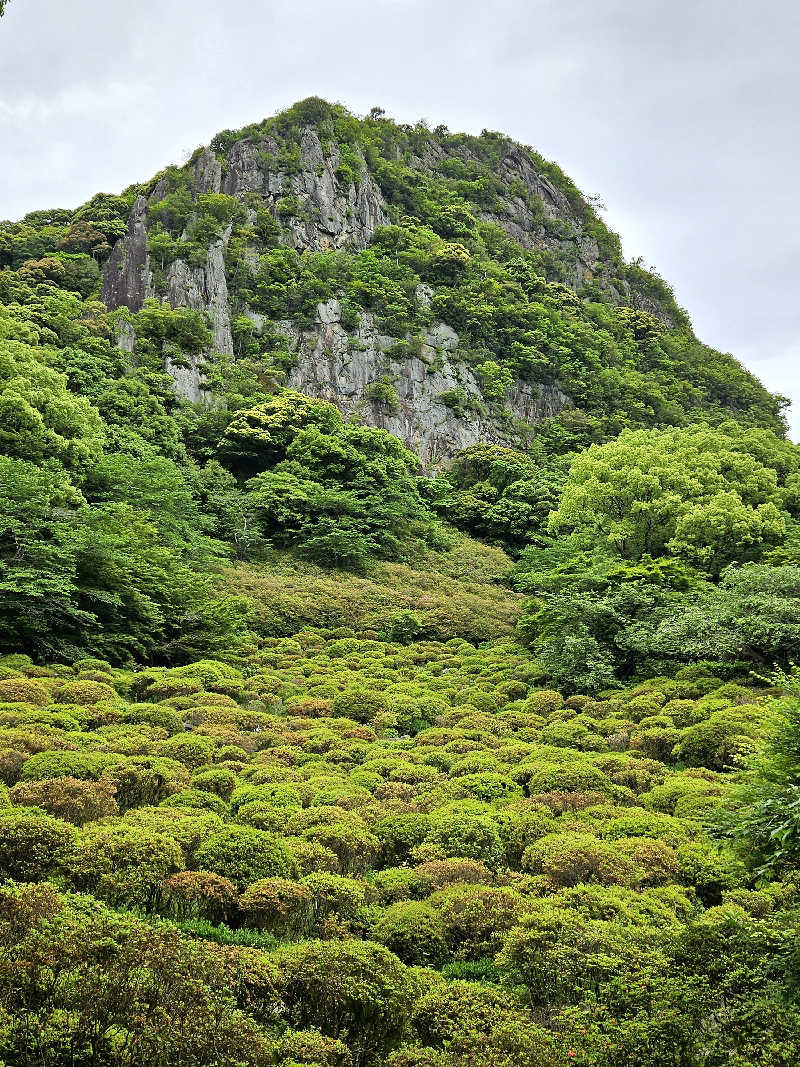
x: 313, y: 754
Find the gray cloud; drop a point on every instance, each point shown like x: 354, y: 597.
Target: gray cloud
x: 681, y: 115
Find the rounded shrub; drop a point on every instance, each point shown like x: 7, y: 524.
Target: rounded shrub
x: 24, y: 691
x: 468, y: 1015
x: 353, y: 987
x: 414, y: 932
x: 245, y: 855
x: 334, y: 895
x: 363, y: 705
x: 212, y: 675
x: 543, y: 702
x: 476, y: 918
x: 218, y: 780
x: 84, y: 693
x: 199, y: 895
x: 657, y: 862
x: 74, y: 800
x: 153, y: 715
x: 567, y: 859
x: 91, y: 663
x: 721, y: 740
x: 66, y: 764
x: 168, y: 688
x: 31, y: 845
x: 467, y: 836
x: 196, y: 798
x: 192, y: 750
x: 278, y: 905
x: 353, y: 845
x: 576, y: 776
x: 123, y: 864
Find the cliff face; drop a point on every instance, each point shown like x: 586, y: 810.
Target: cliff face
x: 341, y: 366
x: 322, y: 197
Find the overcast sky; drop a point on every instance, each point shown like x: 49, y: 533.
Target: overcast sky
x: 682, y: 115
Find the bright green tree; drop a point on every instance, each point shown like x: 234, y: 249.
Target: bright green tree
x: 40, y: 419
x: 703, y: 494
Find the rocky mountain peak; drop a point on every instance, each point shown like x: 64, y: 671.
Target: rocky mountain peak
x: 274, y: 232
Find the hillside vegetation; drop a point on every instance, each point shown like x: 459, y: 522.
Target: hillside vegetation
x: 470, y: 743
x: 363, y: 851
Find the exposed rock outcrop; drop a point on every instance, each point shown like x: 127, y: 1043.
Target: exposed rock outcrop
x: 436, y: 404
x: 205, y: 289
x: 333, y: 215
x: 340, y: 366
x: 126, y: 275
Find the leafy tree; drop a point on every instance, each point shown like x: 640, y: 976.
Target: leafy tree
x: 749, y: 616
x: 155, y: 486
x: 181, y: 330
x: 259, y: 439
x: 109, y: 577
x: 501, y: 495
x: 697, y: 493
x: 38, y: 558
x: 233, y: 511
x: 592, y: 618
x: 341, y: 493
x: 763, y: 814
x: 41, y: 419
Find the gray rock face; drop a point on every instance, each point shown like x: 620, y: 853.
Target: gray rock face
x: 205, y: 289
x: 126, y: 274
x: 207, y: 173
x: 125, y: 336
x: 338, y: 366
x: 331, y: 215
x: 188, y: 378
x: 202, y: 289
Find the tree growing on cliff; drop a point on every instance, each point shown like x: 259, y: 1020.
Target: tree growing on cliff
x: 339, y: 492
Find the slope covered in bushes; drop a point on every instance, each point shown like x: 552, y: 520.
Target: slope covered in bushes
x: 365, y: 852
